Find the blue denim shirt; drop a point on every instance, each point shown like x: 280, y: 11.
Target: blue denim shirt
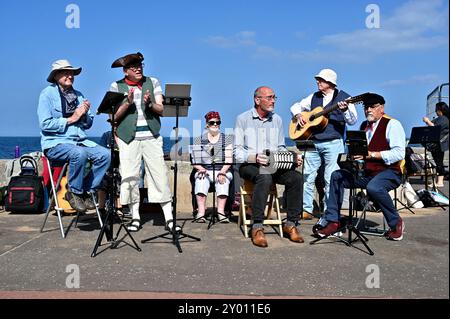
x: 54, y: 127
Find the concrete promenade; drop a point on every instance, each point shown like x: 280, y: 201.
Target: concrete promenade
x: 224, y: 264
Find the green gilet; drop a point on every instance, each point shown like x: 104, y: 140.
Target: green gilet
x: 126, y: 130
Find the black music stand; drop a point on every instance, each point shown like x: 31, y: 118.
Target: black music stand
x: 197, y: 159
x: 176, y: 101
x: 424, y: 135
x: 109, y: 105
x: 357, y: 146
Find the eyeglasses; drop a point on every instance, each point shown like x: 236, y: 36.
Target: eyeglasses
x: 373, y: 106
x: 268, y: 98
x: 214, y: 122
x: 136, y: 66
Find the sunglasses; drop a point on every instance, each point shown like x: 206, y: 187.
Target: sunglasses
x: 214, y: 122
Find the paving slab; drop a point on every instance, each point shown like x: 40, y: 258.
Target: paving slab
x: 224, y: 262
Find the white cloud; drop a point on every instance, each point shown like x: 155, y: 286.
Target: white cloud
x: 240, y: 39
x: 414, y: 26
x: 416, y: 79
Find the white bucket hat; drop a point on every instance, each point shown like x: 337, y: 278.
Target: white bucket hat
x: 61, y: 65
x: 328, y: 75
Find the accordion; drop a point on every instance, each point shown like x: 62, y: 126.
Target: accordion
x: 282, y: 159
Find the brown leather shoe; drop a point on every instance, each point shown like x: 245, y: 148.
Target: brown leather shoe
x: 258, y: 237
x: 307, y: 216
x: 293, y: 234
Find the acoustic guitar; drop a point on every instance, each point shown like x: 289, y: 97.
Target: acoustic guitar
x: 316, y: 120
x: 61, y: 195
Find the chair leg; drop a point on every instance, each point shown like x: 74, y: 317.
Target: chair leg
x: 48, y: 210
x: 242, y: 215
x: 278, y: 214
x: 55, y: 198
x: 94, y: 200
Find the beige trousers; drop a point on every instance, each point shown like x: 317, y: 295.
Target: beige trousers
x: 156, y: 175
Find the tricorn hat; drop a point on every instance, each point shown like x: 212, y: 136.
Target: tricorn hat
x: 61, y: 65
x: 128, y: 59
x: 373, y: 98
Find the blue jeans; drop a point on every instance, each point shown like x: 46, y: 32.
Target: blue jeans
x: 378, y: 188
x: 326, y: 151
x: 78, y: 156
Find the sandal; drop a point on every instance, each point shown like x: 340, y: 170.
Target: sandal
x: 169, y: 228
x: 223, y: 218
x: 135, y: 225
x: 200, y: 219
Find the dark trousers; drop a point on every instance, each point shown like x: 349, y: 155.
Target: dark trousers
x: 438, y: 157
x: 377, y: 187
x: 293, y: 190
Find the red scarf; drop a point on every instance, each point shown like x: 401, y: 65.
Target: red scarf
x: 132, y: 83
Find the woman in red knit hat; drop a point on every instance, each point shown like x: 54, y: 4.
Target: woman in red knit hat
x: 212, y: 147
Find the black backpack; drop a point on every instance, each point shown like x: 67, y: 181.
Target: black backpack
x: 25, y: 193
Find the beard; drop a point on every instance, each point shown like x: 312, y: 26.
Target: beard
x: 370, y: 118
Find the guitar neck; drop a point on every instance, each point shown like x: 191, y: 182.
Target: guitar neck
x: 354, y: 99
x: 327, y: 110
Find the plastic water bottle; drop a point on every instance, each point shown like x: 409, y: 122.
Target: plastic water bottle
x: 17, y: 152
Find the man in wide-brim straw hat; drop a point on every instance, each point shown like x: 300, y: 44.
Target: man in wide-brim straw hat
x: 64, y: 116
x: 139, y: 139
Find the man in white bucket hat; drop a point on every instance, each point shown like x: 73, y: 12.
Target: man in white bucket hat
x: 329, y: 142
x: 64, y: 116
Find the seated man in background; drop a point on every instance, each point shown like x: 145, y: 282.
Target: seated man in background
x: 64, y: 116
x: 386, y: 144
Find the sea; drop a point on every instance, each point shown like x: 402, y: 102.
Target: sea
x: 29, y: 144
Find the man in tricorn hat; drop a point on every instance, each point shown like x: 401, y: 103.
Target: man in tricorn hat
x: 139, y: 139
x: 386, y: 149
x: 64, y: 116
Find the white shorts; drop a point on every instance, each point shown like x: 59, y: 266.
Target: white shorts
x: 202, y: 184
x: 156, y: 175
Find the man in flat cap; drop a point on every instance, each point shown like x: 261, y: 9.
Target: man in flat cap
x: 329, y: 141
x: 386, y: 145
x: 64, y: 116
x: 139, y: 139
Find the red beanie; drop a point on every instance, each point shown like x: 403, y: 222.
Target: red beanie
x: 212, y: 115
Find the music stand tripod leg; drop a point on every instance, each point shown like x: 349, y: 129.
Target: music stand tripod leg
x: 350, y: 229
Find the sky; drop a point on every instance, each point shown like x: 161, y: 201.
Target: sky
x: 225, y: 50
